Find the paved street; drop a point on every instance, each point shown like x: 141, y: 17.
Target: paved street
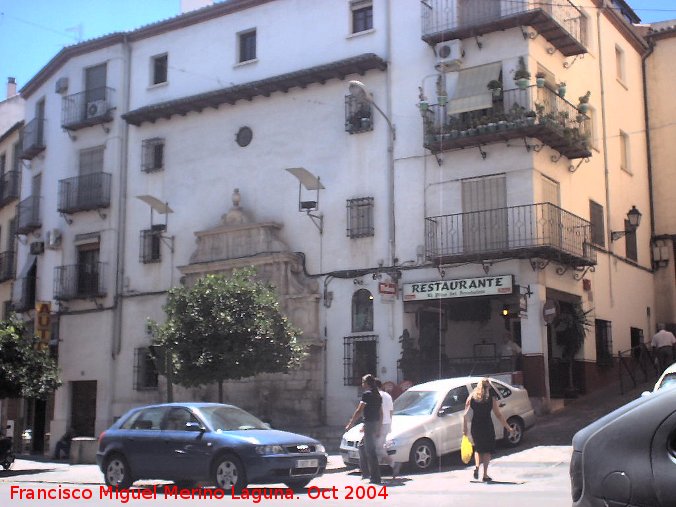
x: 534, y: 474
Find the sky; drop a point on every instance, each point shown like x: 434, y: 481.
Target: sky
x: 32, y: 32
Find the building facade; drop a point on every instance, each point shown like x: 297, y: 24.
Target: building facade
x: 409, y: 214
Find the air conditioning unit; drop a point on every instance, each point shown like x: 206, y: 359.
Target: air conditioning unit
x: 37, y: 247
x: 449, y: 55
x: 53, y: 239
x: 96, y: 108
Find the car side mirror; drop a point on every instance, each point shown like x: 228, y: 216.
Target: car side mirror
x: 194, y: 426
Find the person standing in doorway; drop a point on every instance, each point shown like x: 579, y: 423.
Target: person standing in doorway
x: 371, y: 408
x: 388, y: 409
x: 482, y: 402
x: 663, y: 347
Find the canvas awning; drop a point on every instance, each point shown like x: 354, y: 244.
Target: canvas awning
x: 471, y: 93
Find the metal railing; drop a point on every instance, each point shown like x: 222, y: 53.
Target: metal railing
x: 449, y: 15
x: 532, y: 230
x: 7, y: 265
x: 637, y: 363
x: 86, y: 108
x: 9, y: 187
x: 32, y: 138
x: 79, y: 281
x: 82, y: 193
x: 28, y: 215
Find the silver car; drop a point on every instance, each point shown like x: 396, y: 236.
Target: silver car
x: 427, y: 421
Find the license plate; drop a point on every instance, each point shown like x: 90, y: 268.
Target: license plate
x: 353, y: 454
x: 307, y: 463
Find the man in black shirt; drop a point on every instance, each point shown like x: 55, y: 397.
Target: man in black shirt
x: 371, y: 408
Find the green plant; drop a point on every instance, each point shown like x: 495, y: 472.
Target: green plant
x: 494, y: 84
x: 571, y: 328
x: 584, y: 99
x: 522, y: 71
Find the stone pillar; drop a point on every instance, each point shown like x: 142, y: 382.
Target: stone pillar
x: 534, y: 348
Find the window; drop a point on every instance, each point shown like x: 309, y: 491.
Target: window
x: 247, y: 46
x: 360, y: 217
x: 625, y: 152
x: 604, y: 342
x: 153, y: 154
x: 588, y: 128
x: 16, y: 159
x: 455, y: 400
x: 360, y: 357
x: 362, y: 16
x: 151, y: 243
x: 88, y: 269
x: 362, y: 311
x: 145, y: 372
x: 147, y: 419
x: 619, y: 64
x: 160, y: 68
x: 598, y: 231
x: 3, y: 162
x: 358, y: 115
x: 7, y: 309
x: 630, y: 242
x: 177, y: 418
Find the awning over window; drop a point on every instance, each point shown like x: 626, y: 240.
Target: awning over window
x: 471, y: 92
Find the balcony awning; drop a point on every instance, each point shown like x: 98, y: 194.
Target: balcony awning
x: 471, y: 92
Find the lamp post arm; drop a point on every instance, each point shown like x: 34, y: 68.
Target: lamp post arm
x: 393, y: 130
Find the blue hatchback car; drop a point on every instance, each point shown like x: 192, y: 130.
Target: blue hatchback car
x: 205, y: 442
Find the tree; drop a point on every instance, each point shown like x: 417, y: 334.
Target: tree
x: 571, y: 329
x: 26, y: 369
x: 226, y: 328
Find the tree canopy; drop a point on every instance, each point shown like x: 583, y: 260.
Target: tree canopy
x: 225, y: 328
x: 26, y: 370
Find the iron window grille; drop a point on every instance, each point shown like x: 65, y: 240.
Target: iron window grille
x: 362, y: 311
x: 358, y: 115
x: 360, y: 357
x: 145, y: 371
x: 151, y: 244
x: 362, y: 15
x: 153, y: 155
x: 247, y: 46
x: 360, y: 217
x: 604, y: 342
x: 160, y: 69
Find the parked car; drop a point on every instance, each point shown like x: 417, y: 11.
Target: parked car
x: 427, y: 421
x: 212, y: 442
x: 667, y: 379
x: 628, y: 457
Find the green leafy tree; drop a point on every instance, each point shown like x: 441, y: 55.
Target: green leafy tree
x: 225, y: 328
x: 26, y: 369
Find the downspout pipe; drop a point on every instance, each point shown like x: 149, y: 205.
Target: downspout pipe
x: 644, y: 58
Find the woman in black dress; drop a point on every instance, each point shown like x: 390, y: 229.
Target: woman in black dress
x: 482, y: 402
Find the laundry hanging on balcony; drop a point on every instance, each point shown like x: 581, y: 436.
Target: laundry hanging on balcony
x: 471, y: 92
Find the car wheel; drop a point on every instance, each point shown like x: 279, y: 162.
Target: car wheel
x: 116, y: 472
x: 228, y: 473
x: 515, y: 438
x: 297, y: 485
x: 6, y: 465
x: 422, y: 455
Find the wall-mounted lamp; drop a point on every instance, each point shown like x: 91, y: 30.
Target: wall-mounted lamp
x: 660, y: 255
x: 633, y: 219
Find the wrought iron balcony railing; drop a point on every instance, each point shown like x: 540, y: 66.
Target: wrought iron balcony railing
x: 9, y: 187
x: 87, y: 108
x: 558, y: 21
x: 529, y: 231
x: 32, y: 138
x: 79, y: 281
x: 28, y: 215
x: 23, y: 294
x: 532, y: 112
x: 82, y: 193
x: 7, y: 265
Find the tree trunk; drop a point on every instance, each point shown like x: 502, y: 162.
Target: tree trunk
x: 170, y: 388
x: 220, y: 391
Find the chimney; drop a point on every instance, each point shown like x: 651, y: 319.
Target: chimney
x: 193, y: 5
x: 11, y: 87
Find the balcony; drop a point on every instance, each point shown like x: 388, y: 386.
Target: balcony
x: 561, y: 23
x: 84, y: 109
x: 23, y: 294
x: 7, y: 266
x: 83, y: 193
x: 533, y: 112
x: 9, y: 187
x: 28, y: 215
x: 79, y: 281
x: 542, y: 231
x: 32, y: 138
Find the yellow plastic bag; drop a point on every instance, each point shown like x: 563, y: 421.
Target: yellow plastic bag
x: 466, y: 449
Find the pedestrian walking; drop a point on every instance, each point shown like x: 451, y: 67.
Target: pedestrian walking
x: 663, y: 347
x: 482, y: 402
x: 385, y: 428
x: 371, y: 408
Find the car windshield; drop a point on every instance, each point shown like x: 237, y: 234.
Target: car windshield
x: 668, y: 380
x: 415, y: 403
x: 222, y: 418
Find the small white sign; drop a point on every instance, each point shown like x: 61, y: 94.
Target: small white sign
x: 464, y: 287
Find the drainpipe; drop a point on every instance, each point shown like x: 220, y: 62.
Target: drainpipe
x: 644, y: 58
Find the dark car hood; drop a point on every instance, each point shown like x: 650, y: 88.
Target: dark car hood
x: 267, y: 437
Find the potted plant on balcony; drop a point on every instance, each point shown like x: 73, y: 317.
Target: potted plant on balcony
x: 495, y: 87
x: 583, y: 106
x: 521, y: 75
x: 562, y: 89
x: 540, y: 79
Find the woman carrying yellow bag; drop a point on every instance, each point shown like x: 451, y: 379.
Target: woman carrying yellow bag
x: 482, y: 402
x: 466, y: 450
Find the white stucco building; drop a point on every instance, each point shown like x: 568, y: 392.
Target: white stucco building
x: 166, y: 154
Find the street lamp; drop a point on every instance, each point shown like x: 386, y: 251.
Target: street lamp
x: 634, y: 219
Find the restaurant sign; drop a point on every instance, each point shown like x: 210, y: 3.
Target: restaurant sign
x: 463, y: 287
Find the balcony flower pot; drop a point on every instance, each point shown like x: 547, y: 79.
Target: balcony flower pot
x: 521, y: 75
x: 423, y: 105
x: 540, y: 79
x: 442, y: 100
x: 583, y: 106
x: 503, y: 125
x: 562, y: 89
x: 492, y: 127
x: 495, y: 87
x: 365, y: 123
x: 471, y: 131
x: 522, y: 83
